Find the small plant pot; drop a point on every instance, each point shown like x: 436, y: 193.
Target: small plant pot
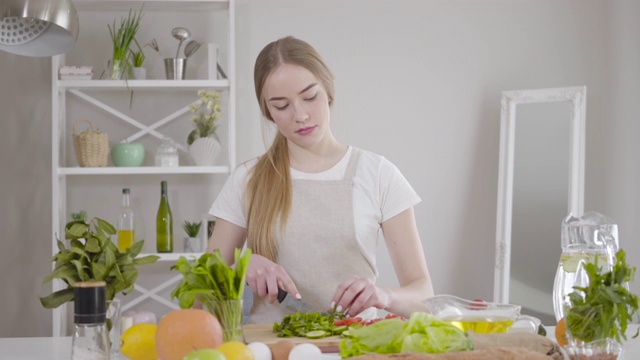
x: 139, y: 73
x: 192, y: 245
x: 205, y: 151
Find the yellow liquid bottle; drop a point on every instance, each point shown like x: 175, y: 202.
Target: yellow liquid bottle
x: 125, y: 223
x: 125, y: 239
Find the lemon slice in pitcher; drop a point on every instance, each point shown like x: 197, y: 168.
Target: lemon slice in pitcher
x: 570, y: 262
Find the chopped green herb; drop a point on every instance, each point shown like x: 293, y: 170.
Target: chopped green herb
x: 300, y: 324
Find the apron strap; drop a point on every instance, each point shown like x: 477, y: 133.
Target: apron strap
x: 352, y: 166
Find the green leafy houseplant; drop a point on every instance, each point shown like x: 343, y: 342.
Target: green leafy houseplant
x: 207, y: 112
x: 192, y: 228
x: 122, y: 37
x: 92, y: 255
x: 604, y: 308
x: 215, y: 284
x: 137, y: 56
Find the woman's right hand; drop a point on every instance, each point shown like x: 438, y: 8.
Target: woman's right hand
x: 265, y: 278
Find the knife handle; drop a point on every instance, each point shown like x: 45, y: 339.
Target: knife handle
x: 281, y: 295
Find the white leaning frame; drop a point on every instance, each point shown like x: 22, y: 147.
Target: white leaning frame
x: 510, y: 101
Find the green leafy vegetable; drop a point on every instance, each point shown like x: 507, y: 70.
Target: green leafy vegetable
x: 299, y: 324
x: 92, y: 255
x: 211, y: 281
x: 422, y: 333
x: 604, y: 308
x: 210, y: 278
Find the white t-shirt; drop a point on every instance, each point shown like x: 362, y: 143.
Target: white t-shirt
x: 380, y: 193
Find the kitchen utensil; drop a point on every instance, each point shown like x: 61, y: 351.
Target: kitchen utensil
x: 175, y: 68
x: 181, y: 34
x: 288, y: 302
x: 221, y: 72
x: 191, y: 47
x: 154, y: 45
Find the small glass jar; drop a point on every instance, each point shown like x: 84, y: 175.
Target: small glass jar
x: 167, y: 154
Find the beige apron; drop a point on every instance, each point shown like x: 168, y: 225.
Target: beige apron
x: 319, y: 249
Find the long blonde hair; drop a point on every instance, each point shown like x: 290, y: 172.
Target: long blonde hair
x: 268, y: 192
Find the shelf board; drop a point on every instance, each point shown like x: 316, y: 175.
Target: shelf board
x: 142, y: 84
x: 152, y: 5
x: 143, y: 170
x: 173, y: 256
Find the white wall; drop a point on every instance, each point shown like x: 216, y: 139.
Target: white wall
x: 418, y: 82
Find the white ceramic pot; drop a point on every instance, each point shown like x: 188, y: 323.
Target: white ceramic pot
x: 205, y: 151
x: 139, y: 73
x: 192, y: 245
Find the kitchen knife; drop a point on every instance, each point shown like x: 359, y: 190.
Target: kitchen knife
x: 288, y: 302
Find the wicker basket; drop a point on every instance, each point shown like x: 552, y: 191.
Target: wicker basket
x: 91, y: 148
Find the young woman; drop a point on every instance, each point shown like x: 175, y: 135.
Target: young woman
x: 312, y: 209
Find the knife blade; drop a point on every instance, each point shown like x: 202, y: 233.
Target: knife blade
x: 288, y: 302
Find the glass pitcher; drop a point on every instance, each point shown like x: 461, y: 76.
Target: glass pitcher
x: 589, y: 238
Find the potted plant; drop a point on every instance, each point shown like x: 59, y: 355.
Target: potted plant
x: 203, y: 145
x: 122, y: 38
x: 191, y: 242
x: 137, y: 59
x: 598, y: 312
x: 91, y: 255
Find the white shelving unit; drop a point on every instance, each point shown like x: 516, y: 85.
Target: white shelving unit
x: 64, y: 168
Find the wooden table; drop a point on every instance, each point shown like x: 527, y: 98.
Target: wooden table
x: 59, y: 348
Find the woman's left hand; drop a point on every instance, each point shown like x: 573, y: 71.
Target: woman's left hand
x: 356, y: 294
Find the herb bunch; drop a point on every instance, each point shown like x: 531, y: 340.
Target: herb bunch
x: 604, y: 308
x: 210, y: 278
x: 211, y: 281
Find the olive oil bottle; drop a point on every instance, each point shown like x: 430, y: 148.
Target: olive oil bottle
x: 164, y: 222
x: 125, y: 223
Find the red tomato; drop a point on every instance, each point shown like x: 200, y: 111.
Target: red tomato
x: 351, y: 321
x: 338, y: 322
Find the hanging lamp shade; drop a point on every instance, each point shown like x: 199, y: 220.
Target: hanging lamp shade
x: 38, y: 27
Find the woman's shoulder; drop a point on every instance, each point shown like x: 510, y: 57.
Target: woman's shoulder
x: 372, y: 162
x: 240, y: 172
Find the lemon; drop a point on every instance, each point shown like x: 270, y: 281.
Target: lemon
x: 571, y: 261
x: 139, y: 342
x: 235, y: 350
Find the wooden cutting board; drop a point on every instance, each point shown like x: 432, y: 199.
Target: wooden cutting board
x: 264, y: 333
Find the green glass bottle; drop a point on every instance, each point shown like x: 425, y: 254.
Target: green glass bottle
x: 164, y: 223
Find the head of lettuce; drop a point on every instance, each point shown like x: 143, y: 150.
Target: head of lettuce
x: 421, y: 333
